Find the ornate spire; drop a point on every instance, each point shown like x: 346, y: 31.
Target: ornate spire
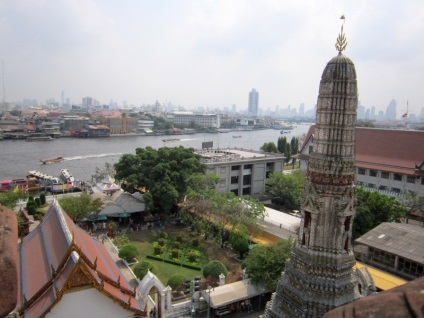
x: 341, y: 39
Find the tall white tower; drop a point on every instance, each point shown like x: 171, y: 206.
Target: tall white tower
x: 253, y: 102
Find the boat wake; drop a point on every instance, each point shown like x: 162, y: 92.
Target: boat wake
x: 93, y: 156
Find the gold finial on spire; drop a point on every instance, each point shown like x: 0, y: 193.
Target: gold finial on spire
x: 341, y: 39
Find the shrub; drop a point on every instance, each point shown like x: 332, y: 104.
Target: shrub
x: 121, y: 240
x: 175, y: 281
x: 193, y: 255
x: 157, y: 250
x: 43, y: 198
x: 179, y: 239
x: 176, y: 245
x: 214, y: 269
x: 31, y: 208
x: 163, y: 235
x: 195, y: 243
x: 37, y: 202
x: 128, y: 252
x: 161, y: 242
x: 140, y: 270
x: 175, y: 253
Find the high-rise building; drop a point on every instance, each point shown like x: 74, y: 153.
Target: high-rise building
x: 319, y: 275
x: 253, y: 102
x: 391, y: 110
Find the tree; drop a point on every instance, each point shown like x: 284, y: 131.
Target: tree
x: 222, y: 209
x: 175, y: 281
x: 294, y: 147
x: 239, y: 239
x: 269, y: 147
x: 128, y: 252
x: 286, y: 189
x: 140, y: 270
x: 10, y: 198
x: 412, y: 201
x: 163, y: 172
x: 266, y: 262
x: 79, y: 207
x: 214, y: 269
x: 374, y: 208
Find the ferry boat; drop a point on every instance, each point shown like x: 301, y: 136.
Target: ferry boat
x: 51, y: 160
x: 170, y: 139
x: 238, y: 136
x: 39, y: 138
x: 67, y: 176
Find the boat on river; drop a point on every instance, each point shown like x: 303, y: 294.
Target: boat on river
x: 52, y: 160
x: 170, y: 139
x: 66, y: 176
x: 39, y: 138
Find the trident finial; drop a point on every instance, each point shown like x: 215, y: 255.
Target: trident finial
x: 341, y: 39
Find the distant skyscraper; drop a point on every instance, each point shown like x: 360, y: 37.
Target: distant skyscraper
x: 253, y: 102
x: 87, y: 102
x: 391, y: 110
x: 62, y: 99
x: 302, y: 109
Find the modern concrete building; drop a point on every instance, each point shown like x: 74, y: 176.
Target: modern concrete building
x: 203, y: 120
x: 243, y: 172
x: 386, y: 160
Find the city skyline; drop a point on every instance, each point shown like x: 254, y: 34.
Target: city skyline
x: 208, y: 54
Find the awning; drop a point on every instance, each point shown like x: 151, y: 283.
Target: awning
x: 102, y: 218
x: 124, y: 215
x: 231, y: 293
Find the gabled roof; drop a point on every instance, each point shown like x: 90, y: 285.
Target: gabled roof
x: 128, y: 202
x: 398, y: 151
x: 404, y: 240
x: 57, y: 257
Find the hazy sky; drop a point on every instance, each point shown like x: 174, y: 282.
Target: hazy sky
x: 209, y: 53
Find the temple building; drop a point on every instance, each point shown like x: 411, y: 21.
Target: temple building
x: 319, y: 275
x: 64, y: 272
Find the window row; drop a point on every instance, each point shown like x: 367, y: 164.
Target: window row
x: 387, y: 175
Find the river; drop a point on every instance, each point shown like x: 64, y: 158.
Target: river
x: 83, y: 156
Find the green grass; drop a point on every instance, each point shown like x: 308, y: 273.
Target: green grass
x: 163, y: 270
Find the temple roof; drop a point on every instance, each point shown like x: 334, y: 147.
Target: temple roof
x: 385, y: 149
x: 58, y: 256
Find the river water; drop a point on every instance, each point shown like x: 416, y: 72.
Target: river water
x: 83, y: 156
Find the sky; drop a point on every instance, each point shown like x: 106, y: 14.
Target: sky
x: 209, y: 53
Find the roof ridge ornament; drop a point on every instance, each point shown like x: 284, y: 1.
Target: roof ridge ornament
x: 341, y: 39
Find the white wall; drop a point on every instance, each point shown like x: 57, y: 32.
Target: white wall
x: 88, y: 303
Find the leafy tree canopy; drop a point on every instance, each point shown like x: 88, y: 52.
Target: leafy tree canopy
x: 163, y: 172
x: 239, y: 239
x: 269, y: 147
x: 286, y: 188
x: 266, y: 262
x: 10, y: 198
x: 214, y: 269
x: 80, y: 206
x: 140, y: 270
x: 374, y: 208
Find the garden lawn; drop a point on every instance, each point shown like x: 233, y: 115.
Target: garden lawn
x: 163, y: 271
